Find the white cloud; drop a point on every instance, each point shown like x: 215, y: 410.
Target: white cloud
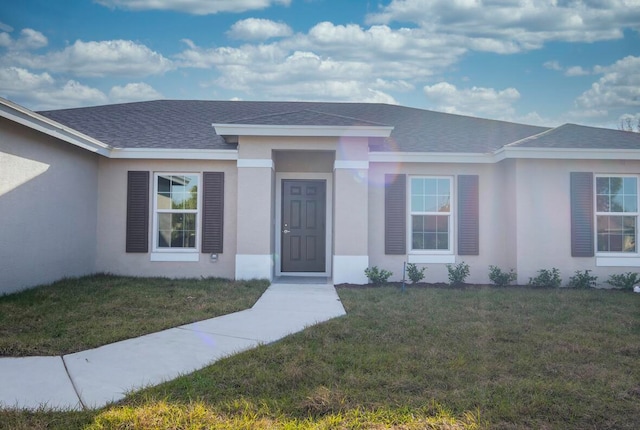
x: 196, y: 7
x: 15, y: 80
x: 133, y: 92
x: 41, y: 91
x: 506, y: 26
x: 553, y: 65
x: 258, y: 29
x: 576, y: 71
x: 97, y: 59
x: 29, y: 39
x: 475, y: 101
x: 618, y: 88
x: 5, y: 27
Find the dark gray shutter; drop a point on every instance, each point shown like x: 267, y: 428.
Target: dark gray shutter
x: 212, y: 211
x: 468, y: 215
x: 582, y: 214
x: 395, y: 214
x: 137, y: 212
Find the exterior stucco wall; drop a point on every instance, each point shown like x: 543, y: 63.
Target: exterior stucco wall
x: 48, y: 208
x: 494, y: 208
x: 544, y: 216
x: 112, y: 209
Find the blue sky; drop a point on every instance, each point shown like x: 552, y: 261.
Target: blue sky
x: 543, y: 62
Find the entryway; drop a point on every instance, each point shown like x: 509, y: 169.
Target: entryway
x: 303, y: 226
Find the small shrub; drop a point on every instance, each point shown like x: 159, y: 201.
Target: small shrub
x: 626, y: 281
x: 458, y: 273
x: 500, y: 278
x: 377, y: 276
x: 582, y: 280
x: 415, y: 274
x: 546, y: 278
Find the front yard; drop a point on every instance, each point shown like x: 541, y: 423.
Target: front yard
x: 477, y: 357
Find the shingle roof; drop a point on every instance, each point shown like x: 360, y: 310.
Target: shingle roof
x: 187, y: 124
x: 581, y: 137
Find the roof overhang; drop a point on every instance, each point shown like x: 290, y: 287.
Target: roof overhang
x: 302, y: 130
x: 28, y: 118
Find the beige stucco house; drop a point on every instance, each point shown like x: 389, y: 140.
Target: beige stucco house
x: 269, y: 189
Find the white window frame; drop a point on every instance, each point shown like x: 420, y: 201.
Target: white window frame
x: 431, y: 255
x: 613, y: 258
x: 176, y: 254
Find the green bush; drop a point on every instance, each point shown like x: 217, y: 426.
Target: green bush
x: 458, y: 273
x: 546, y: 278
x: 582, y: 280
x: 415, y: 274
x: 377, y: 276
x: 500, y: 278
x: 626, y: 281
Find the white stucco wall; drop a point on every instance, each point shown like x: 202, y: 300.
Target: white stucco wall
x: 495, y: 240
x: 112, y: 209
x: 544, y: 216
x: 48, y: 208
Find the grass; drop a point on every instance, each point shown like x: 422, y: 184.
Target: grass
x: 77, y: 314
x: 505, y: 358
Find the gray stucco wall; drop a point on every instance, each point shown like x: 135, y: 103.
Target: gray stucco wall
x: 48, y: 208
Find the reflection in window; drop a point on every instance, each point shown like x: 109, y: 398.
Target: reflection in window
x: 177, y: 211
x: 430, y: 213
x: 616, y: 213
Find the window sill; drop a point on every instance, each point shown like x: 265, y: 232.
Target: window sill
x: 192, y: 257
x: 431, y: 258
x: 622, y: 261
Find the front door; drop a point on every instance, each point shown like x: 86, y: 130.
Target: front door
x: 303, y: 225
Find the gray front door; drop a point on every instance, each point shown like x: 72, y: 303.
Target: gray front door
x: 303, y: 225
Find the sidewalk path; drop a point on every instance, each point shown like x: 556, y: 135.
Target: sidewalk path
x: 93, y: 378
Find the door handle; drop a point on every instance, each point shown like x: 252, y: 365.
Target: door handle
x: 285, y: 231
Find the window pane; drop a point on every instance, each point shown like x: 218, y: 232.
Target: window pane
x: 630, y: 203
x: 443, y: 187
x: 430, y: 232
x: 630, y: 186
x: 602, y: 185
x: 616, y: 233
x: 417, y: 203
x: 444, y: 204
x: 430, y: 204
x: 602, y: 203
x: 430, y: 186
x: 616, y: 203
x: 417, y: 186
x: 176, y: 200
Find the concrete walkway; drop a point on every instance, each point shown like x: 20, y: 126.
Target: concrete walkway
x: 93, y: 378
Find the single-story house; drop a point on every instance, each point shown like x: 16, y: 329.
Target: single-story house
x: 240, y: 189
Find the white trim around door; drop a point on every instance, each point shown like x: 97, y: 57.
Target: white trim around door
x: 328, y: 177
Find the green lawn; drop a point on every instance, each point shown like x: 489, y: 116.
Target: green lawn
x: 511, y: 358
x: 77, y: 314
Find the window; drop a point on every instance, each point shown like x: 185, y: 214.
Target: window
x: 430, y: 206
x: 176, y: 212
x: 616, y: 213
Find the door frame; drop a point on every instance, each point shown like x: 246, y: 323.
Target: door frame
x: 328, y: 178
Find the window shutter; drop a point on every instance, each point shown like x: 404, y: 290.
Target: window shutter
x: 137, y: 212
x: 212, y: 211
x: 468, y: 215
x: 395, y: 214
x: 582, y: 214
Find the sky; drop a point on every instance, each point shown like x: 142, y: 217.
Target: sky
x: 541, y: 62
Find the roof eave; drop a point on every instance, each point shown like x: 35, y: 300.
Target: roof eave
x: 301, y: 130
x: 35, y: 121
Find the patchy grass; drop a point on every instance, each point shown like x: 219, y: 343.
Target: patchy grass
x: 76, y: 314
x: 504, y: 358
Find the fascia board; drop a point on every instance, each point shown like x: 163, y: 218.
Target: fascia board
x: 302, y: 130
x: 430, y: 157
x: 23, y: 116
x: 568, y: 153
x: 174, y: 154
